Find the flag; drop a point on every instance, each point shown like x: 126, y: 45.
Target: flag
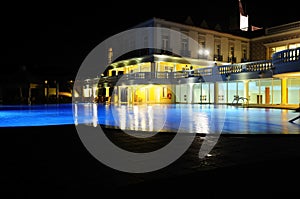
x: 253, y: 28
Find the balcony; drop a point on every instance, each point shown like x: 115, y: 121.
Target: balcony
x: 286, y: 61
x: 283, y: 62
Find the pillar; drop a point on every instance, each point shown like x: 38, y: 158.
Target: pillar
x: 216, y: 93
x: 191, y: 94
x: 153, y: 67
x: 267, y: 95
x: 227, y: 86
x: 246, y: 89
x: 106, y: 91
x: 284, y: 91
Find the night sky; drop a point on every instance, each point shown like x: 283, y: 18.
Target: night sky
x: 61, y: 38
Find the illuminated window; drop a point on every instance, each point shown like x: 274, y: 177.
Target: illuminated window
x: 271, y: 52
x: 280, y: 48
x: 275, y: 49
x: 293, y: 46
x: 145, y: 68
x: 169, y: 68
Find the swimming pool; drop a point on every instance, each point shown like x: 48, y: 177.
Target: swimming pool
x: 161, y: 117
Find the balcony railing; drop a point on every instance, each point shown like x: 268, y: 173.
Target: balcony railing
x: 259, y: 66
x: 286, y: 61
x: 286, y: 56
x: 152, y: 75
x: 203, y: 72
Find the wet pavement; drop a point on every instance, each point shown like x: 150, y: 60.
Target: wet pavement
x: 47, y: 162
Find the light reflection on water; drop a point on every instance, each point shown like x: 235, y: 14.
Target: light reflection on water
x: 176, y: 117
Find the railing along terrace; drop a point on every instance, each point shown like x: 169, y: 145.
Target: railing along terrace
x: 246, y: 67
x: 226, y: 69
x: 155, y: 75
x: 286, y: 56
x: 203, y: 72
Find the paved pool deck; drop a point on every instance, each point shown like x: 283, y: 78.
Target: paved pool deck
x: 52, y: 162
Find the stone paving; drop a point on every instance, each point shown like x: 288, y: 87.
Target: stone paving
x: 47, y: 162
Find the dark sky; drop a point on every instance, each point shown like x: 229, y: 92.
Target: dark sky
x: 63, y: 36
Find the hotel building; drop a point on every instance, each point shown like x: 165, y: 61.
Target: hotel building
x: 243, y: 67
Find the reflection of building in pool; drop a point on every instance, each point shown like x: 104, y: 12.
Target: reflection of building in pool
x: 261, y: 66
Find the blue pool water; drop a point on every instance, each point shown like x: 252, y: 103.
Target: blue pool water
x: 186, y: 117
x: 35, y: 115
